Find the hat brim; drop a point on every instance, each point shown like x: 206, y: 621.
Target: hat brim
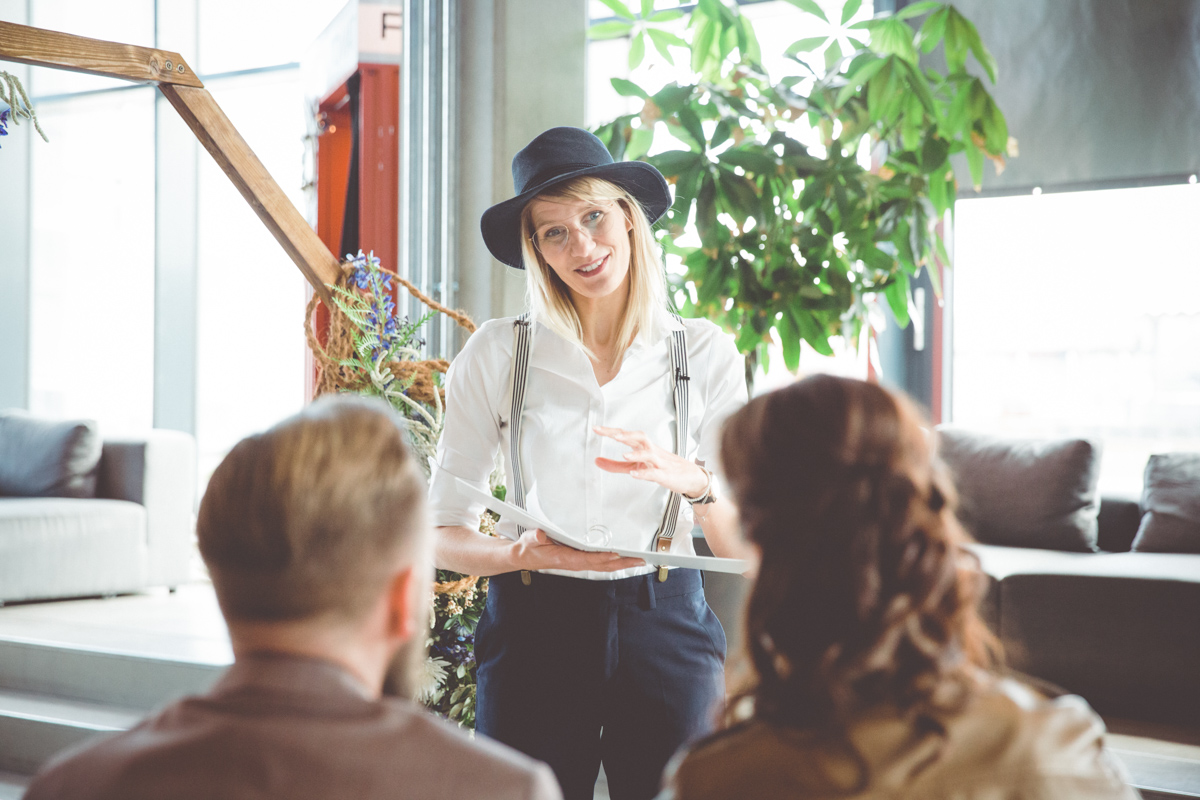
x: 501, y: 224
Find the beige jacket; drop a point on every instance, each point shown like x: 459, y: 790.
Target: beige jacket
x: 1009, y: 743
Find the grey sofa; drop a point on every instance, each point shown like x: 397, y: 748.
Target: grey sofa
x: 1097, y: 595
x: 128, y: 528
x: 1120, y: 628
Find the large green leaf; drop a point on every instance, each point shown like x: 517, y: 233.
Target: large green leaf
x: 672, y: 97
x: 706, y: 208
x: 975, y: 164
x: 934, y: 151
x: 938, y: 181
x: 890, y: 36
x: 789, y: 337
x: 811, y: 7
x: 637, y: 50
x: 811, y: 330
x: 932, y: 30
x: 809, y: 45
x: 667, y: 15
x: 691, y: 124
x: 673, y: 162
x: 639, y: 143
x: 748, y: 41
x: 897, y: 298
x: 850, y: 9
x: 833, y: 55
x: 878, y: 96
x: 955, y: 43
x: 663, y: 41
x: 857, y: 77
x: 995, y: 129
x: 721, y: 133
x: 970, y: 35
x: 917, y: 9
x: 740, y: 194
x: 702, y: 43
x: 627, y: 88
x: 752, y: 158
x: 613, y: 29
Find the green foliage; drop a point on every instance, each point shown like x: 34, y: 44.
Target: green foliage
x: 795, y: 233
x: 18, y: 107
x: 382, y: 340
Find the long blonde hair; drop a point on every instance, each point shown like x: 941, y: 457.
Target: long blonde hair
x: 549, y: 300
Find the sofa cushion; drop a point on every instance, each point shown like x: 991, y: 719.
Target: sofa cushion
x: 1025, y: 493
x: 47, y: 458
x: 55, y: 547
x: 1171, y: 499
x: 1113, y: 627
x: 1116, y: 628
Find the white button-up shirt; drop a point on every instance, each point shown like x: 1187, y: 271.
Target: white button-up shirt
x: 563, y: 403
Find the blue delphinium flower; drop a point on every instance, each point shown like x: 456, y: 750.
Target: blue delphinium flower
x: 369, y: 277
x: 4, y: 122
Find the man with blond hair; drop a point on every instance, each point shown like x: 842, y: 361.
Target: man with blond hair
x: 316, y: 538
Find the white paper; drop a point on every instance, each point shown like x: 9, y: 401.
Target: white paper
x: 522, y: 517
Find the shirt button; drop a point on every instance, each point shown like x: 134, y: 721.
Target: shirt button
x: 598, y: 536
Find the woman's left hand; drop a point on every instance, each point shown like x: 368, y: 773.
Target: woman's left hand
x: 649, y: 462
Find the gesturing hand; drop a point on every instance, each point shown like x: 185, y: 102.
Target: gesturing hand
x: 649, y: 462
x: 535, y: 550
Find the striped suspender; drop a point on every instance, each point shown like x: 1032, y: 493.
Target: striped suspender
x: 679, y: 394
x: 522, y: 339
x: 522, y: 332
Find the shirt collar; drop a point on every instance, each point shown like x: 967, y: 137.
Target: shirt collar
x: 662, y: 325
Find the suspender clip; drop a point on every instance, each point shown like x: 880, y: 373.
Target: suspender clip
x: 664, y: 546
x: 526, y: 577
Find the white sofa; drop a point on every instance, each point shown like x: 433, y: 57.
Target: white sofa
x: 134, y: 533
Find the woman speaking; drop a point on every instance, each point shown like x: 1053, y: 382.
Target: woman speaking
x: 606, y: 408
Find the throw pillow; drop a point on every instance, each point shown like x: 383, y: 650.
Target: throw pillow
x: 47, y: 458
x: 1171, y: 499
x: 1025, y: 493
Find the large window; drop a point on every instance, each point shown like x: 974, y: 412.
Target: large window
x: 92, y: 238
x: 251, y: 348
x: 92, y: 248
x: 1078, y: 314
x: 92, y: 211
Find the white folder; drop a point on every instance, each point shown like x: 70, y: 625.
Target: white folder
x: 523, y: 517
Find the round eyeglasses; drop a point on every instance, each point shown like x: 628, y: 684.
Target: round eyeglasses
x: 554, y: 239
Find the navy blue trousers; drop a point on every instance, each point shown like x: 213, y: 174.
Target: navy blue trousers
x: 576, y: 672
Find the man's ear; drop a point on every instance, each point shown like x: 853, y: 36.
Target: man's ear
x: 404, y: 603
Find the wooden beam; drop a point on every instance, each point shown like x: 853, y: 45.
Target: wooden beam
x: 42, y: 48
x: 229, y: 149
x: 185, y: 91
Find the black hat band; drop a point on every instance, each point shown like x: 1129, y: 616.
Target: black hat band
x: 550, y: 174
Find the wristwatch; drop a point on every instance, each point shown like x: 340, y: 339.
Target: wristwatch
x: 709, y: 496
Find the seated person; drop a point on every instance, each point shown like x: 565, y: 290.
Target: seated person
x: 873, y: 675
x: 316, y: 537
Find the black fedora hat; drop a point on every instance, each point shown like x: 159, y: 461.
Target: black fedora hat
x: 557, y: 156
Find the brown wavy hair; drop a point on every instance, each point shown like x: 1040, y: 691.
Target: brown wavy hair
x: 865, y: 595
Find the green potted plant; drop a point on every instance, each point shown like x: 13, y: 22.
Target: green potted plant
x: 812, y: 194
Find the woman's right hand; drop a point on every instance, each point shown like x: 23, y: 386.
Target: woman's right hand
x: 535, y: 550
